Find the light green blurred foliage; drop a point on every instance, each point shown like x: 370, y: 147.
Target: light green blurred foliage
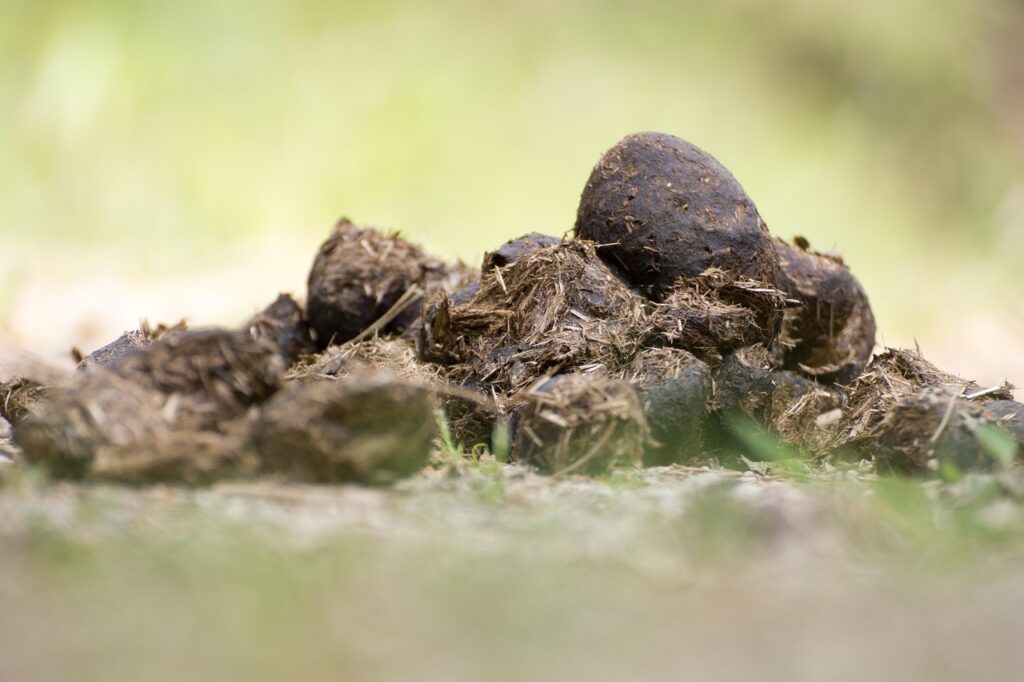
x: 169, y: 132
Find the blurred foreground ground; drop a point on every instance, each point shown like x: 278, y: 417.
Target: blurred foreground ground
x: 489, y: 572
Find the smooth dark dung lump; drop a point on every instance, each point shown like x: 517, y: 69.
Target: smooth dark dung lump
x: 661, y: 208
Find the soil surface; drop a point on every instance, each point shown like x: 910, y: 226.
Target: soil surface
x: 482, y: 570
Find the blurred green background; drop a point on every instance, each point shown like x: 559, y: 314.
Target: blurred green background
x: 166, y: 159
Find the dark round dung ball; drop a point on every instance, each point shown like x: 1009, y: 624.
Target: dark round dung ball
x: 358, y: 275
x: 831, y: 334
x: 662, y: 208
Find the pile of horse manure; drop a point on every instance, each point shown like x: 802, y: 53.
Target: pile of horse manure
x: 670, y: 313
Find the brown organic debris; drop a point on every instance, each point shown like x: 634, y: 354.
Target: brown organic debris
x: 172, y: 410
x: 800, y: 410
x: 894, y: 411
x: 104, y: 426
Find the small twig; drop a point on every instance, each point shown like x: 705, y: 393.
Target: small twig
x: 411, y: 295
x: 983, y: 392
x: 945, y: 420
x: 605, y: 437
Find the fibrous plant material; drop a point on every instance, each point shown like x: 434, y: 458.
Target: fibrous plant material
x: 892, y: 376
x: 661, y: 208
x: 905, y: 412
x: 558, y: 309
x: 369, y: 427
x: 283, y: 323
x: 361, y: 276
x: 579, y: 423
x: 673, y: 387
x: 715, y: 313
x: 831, y: 333
x: 17, y: 396
x: 127, y: 343
x: 802, y: 411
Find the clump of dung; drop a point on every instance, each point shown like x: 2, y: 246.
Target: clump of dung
x: 127, y: 343
x: 173, y: 410
x: 802, y: 411
x: 933, y: 429
x: 283, y: 324
x: 579, y: 423
x: 673, y: 387
x: 555, y: 310
x: 715, y: 313
x: 214, y: 374
x: 661, y: 208
x: 103, y: 426
x: 362, y: 277
x: 905, y: 412
x: 369, y: 427
x: 831, y: 333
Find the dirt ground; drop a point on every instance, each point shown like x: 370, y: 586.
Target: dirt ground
x: 474, y: 571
